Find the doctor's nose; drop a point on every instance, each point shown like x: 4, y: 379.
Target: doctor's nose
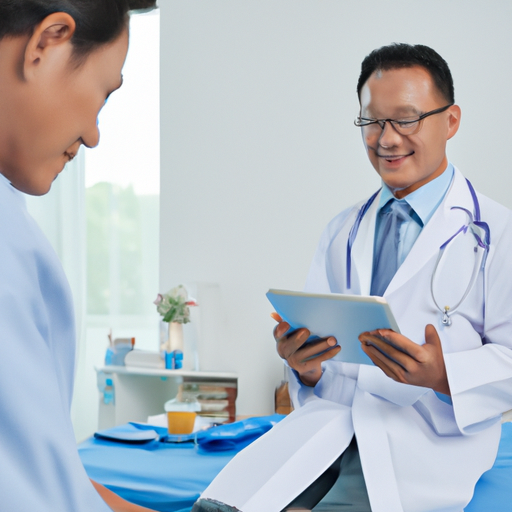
x: 389, y: 137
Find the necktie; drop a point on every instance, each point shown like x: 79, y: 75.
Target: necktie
x: 385, y: 265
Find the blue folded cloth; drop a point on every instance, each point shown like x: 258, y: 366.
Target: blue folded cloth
x: 128, y: 433
x: 230, y: 436
x: 235, y: 436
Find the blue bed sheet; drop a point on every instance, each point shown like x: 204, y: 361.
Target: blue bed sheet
x: 169, y: 477
x: 163, y: 477
x: 493, y: 492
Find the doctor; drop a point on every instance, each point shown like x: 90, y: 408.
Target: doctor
x: 415, y: 432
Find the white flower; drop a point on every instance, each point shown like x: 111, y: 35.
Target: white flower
x: 174, y: 305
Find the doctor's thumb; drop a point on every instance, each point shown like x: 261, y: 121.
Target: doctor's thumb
x: 431, y: 336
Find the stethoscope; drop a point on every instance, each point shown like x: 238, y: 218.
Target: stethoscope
x: 479, y: 229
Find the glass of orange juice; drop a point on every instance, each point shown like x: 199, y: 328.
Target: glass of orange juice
x: 181, y: 415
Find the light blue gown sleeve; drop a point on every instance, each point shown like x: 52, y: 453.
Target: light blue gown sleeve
x: 41, y: 470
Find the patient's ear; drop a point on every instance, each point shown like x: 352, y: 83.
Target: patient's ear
x: 50, y: 39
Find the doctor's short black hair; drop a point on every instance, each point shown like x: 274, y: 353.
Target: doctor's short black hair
x: 401, y: 55
x: 98, y: 22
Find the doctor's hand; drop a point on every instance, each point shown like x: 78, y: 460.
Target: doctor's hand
x: 407, y: 362
x: 305, y: 359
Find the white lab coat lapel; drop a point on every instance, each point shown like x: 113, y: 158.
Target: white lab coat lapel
x: 444, y: 223
x: 362, y: 250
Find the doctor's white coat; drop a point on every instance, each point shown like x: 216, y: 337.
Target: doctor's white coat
x: 418, y: 453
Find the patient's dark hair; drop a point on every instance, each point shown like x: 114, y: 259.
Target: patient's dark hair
x: 401, y: 55
x: 98, y: 22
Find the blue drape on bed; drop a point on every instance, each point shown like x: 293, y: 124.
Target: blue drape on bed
x: 169, y: 477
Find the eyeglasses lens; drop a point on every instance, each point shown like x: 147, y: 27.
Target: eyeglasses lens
x: 403, y: 128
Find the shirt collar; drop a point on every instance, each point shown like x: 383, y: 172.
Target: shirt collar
x: 425, y: 200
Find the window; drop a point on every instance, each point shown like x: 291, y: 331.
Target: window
x: 122, y: 178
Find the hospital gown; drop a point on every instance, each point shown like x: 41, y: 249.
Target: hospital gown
x: 40, y: 467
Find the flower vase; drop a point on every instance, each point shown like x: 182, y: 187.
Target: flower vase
x: 174, y: 347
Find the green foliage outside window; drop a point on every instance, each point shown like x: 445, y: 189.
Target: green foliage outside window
x: 121, y: 250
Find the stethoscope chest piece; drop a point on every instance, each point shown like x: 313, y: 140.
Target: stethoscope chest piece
x: 446, y: 317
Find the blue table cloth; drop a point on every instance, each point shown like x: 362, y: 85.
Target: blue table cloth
x: 169, y: 477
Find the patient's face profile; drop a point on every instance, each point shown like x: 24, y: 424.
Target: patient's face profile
x: 52, y: 106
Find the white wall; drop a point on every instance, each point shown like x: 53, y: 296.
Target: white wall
x: 258, y: 148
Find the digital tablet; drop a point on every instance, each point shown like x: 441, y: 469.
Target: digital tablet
x: 343, y: 316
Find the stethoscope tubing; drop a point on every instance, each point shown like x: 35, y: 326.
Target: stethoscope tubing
x: 479, y: 265
x: 481, y: 248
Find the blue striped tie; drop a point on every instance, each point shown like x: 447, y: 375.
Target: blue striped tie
x: 393, y: 214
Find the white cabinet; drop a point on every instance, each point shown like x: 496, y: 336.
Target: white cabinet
x: 142, y: 392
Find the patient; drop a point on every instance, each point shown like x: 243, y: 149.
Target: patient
x: 59, y: 62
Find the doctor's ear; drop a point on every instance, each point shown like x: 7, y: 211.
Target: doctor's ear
x: 454, y: 114
x: 53, y: 33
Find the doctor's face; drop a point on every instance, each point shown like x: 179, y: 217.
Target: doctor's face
x: 54, y: 111
x: 406, y: 162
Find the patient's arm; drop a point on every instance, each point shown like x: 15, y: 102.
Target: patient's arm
x: 115, y: 502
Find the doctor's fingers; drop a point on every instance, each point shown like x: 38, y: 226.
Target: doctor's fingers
x: 319, y: 350
x: 393, y: 350
x: 408, y: 358
x: 312, y: 351
x: 432, y: 338
x: 430, y: 375
x: 310, y: 357
x: 400, y: 342
x: 428, y: 372
x: 290, y: 342
x: 281, y: 329
x: 391, y: 368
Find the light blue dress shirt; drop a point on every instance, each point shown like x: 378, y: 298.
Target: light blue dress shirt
x: 424, y: 202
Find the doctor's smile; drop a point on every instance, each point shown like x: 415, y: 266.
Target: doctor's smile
x: 394, y: 159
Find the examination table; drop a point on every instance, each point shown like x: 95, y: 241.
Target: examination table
x: 170, y: 476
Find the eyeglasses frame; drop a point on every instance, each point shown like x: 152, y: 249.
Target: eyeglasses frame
x: 393, y: 122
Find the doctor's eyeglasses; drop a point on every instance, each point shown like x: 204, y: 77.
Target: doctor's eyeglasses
x: 407, y: 126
